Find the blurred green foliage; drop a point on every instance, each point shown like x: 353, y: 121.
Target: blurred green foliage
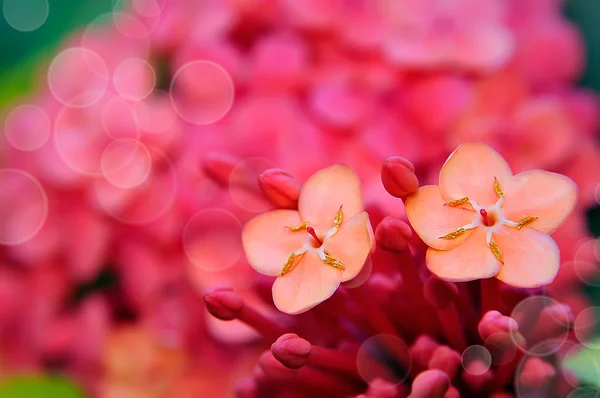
x: 586, y: 14
x: 23, y: 52
x: 39, y: 387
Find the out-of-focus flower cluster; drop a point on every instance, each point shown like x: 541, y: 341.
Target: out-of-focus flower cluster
x: 126, y: 179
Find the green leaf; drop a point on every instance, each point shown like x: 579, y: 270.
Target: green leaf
x: 39, y: 387
x: 585, y: 363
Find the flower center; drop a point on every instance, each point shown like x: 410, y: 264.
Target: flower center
x: 311, y: 231
x: 489, y: 219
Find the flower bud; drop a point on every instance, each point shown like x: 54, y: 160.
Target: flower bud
x: 398, y: 176
x: 422, y: 349
x: 445, y: 359
x: 382, y: 389
x: 280, y: 188
x: 430, y: 384
x: 536, y: 373
x: 393, y: 235
x: 218, y: 168
x: 223, y: 303
x: 494, y: 322
x: 291, y: 350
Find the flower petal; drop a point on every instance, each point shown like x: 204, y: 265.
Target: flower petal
x: 351, y: 244
x: 431, y: 219
x: 531, y: 258
x: 268, y: 242
x: 309, y: 283
x: 470, y: 172
x: 549, y: 196
x: 469, y: 261
x: 324, y: 193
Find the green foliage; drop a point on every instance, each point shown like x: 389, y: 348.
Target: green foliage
x: 39, y: 387
x: 24, y: 52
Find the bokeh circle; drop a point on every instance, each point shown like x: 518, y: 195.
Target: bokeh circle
x: 27, y: 127
x: 587, y: 327
x: 380, y: 357
x: 23, y: 206
x: 143, y: 203
x: 202, y: 92
x: 126, y: 163
x: 134, y: 79
x: 541, y: 331
x: 212, y: 240
x: 78, y: 77
x: 476, y: 360
x: 501, y: 348
x: 243, y: 184
x: 25, y: 15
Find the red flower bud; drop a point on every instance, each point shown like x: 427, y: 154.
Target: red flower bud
x: 398, y: 176
x: 430, y: 384
x: 223, y: 303
x: 280, y: 188
x: 291, y: 350
x: 393, y: 235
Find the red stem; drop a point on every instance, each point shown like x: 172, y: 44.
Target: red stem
x: 263, y: 325
x: 452, y: 327
x: 334, y: 360
x: 490, y: 292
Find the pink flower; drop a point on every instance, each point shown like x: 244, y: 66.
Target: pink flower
x: 481, y: 221
x: 434, y: 33
x: 314, y: 249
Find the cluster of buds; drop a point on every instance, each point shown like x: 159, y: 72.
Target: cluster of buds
x: 400, y: 331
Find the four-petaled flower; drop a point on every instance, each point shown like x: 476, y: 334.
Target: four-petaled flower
x: 481, y: 221
x: 314, y: 249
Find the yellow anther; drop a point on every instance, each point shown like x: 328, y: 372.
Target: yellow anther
x: 339, y: 218
x: 287, y: 267
x: 457, y: 202
x: 525, y: 221
x: 496, y: 250
x: 299, y: 227
x: 333, y: 262
x: 454, y: 235
x: 498, y: 188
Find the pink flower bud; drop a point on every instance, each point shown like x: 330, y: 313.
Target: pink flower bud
x: 439, y: 293
x: 452, y: 393
x: 536, y: 373
x: 398, y: 176
x: 430, y: 384
x: 382, y: 389
x: 422, y: 350
x: 218, y: 168
x: 393, y: 235
x: 445, y: 359
x: 223, y: 303
x: 291, y: 350
x: 494, y: 322
x: 280, y: 188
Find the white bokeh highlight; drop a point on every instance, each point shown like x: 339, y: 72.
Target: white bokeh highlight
x: 23, y: 206
x: 202, y: 92
x: 27, y: 127
x: 134, y: 79
x: 78, y: 77
x: 212, y: 240
x: 25, y: 15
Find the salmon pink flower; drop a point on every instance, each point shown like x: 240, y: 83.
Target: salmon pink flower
x: 481, y: 221
x: 314, y: 249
